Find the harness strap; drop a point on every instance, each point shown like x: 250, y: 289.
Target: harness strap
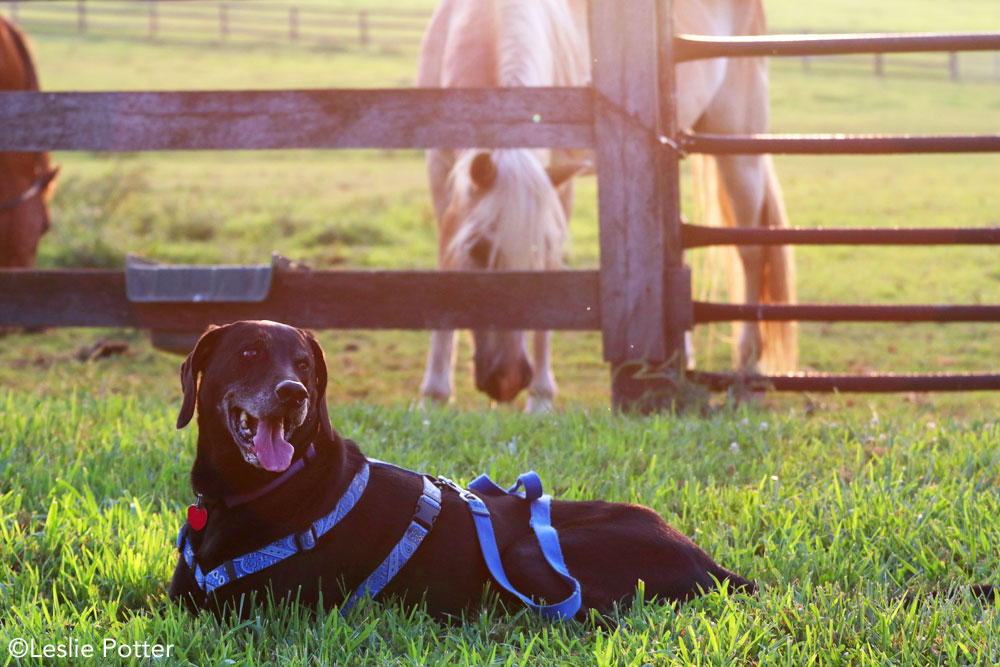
x: 276, y: 551
x: 427, y: 510
x: 541, y: 523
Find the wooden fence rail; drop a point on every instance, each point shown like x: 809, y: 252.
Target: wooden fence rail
x: 568, y: 300
x: 254, y: 120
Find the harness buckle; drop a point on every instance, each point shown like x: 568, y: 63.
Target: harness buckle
x: 426, y: 512
x: 476, y: 505
x: 306, y: 540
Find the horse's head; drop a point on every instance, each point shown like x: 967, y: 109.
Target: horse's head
x: 26, y: 180
x: 504, y: 213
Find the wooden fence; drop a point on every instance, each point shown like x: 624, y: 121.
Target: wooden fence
x: 226, y: 20
x: 640, y: 298
x: 365, y: 26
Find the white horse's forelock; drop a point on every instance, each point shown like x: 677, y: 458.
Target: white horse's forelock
x: 520, y: 215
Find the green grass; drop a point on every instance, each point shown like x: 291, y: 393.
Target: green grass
x: 837, y: 518
x: 837, y: 505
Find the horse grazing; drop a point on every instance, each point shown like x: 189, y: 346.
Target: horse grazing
x: 26, y: 179
x: 508, y: 209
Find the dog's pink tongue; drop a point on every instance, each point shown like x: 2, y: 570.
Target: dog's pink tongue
x: 273, y: 451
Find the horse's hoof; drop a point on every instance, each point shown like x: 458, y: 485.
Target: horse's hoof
x: 428, y: 401
x: 538, y: 405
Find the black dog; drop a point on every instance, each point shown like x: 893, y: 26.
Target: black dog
x: 269, y: 466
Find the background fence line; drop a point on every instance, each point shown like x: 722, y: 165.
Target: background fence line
x: 223, y: 21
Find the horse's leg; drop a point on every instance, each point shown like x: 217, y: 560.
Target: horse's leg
x: 542, y: 390
x: 440, y: 371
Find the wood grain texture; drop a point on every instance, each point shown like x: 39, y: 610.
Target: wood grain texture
x: 626, y: 116
x: 253, y: 120
x: 562, y: 300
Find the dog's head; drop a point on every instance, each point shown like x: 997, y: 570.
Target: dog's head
x: 261, y: 395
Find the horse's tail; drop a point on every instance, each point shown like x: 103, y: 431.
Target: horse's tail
x: 780, y: 339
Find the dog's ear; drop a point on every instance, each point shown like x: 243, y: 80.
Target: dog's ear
x: 319, y: 360
x: 192, y: 366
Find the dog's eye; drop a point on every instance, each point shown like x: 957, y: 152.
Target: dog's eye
x: 302, y: 365
x: 250, y: 353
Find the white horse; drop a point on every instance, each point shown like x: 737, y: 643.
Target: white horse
x: 508, y: 209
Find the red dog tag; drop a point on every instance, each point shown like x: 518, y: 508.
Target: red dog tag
x: 197, y: 516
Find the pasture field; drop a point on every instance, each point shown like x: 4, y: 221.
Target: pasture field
x: 837, y: 505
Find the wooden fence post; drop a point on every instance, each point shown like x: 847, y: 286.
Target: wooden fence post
x: 81, y: 16
x: 153, y: 27
x: 13, y: 11
x: 293, y: 23
x: 879, y: 65
x: 953, y: 66
x: 223, y: 21
x: 637, y: 186
x: 363, y: 37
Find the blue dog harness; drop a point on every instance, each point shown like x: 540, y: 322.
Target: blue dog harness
x: 427, y: 509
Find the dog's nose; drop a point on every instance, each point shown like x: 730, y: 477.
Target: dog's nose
x: 291, y: 391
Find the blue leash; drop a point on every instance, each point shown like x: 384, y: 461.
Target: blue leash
x: 541, y: 523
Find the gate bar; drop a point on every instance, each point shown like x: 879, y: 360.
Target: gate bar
x: 888, y: 382
x: 730, y: 312
x: 697, y: 236
x: 693, y: 47
x: 835, y: 144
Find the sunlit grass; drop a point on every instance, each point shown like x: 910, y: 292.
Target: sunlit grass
x: 837, y: 519
x: 837, y: 505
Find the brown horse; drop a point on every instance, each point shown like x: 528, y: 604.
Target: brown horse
x: 26, y: 179
x: 507, y: 209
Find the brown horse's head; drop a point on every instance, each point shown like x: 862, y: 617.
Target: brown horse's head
x: 26, y: 179
x: 504, y: 213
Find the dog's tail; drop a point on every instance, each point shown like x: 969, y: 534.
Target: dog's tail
x: 734, y: 582
x: 984, y: 592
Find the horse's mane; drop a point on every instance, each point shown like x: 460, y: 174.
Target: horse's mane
x: 21, y: 49
x: 538, y: 43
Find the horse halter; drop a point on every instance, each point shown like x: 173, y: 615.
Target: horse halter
x: 37, y: 187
